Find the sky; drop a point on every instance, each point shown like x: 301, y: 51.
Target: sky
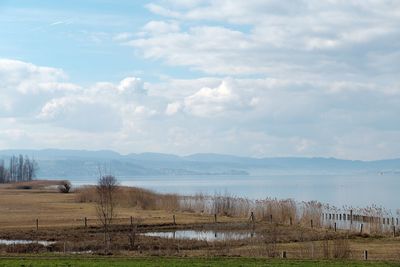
x: 260, y: 78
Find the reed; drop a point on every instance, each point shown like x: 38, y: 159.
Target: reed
x: 375, y: 220
x: 134, y: 197
x: 284, y: 211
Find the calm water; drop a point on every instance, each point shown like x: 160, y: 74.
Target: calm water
x: 201, y: 235
x: 24, y: 242
x: 357, y: 190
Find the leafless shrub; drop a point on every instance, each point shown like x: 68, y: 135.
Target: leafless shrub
x: 106, y: 201
x: 325, y: 247
x: 270, y: 239
x: 132, y: 235
x: 341, y: 248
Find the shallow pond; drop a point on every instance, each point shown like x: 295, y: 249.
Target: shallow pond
x: 24, y: 242
x: 201, y: 235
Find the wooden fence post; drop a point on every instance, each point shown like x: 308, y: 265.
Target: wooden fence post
x: 215, y: 218
x: 335, y: 226
x: 394, y: 231
x: 351, y: 217
x: 37, y: 224
x: 312, y: 224
x: 290, y: 221
x: 85, y: 222
x: 283, y: 254
x: 361, y: 228
x: 270, y: 218
x: 365, y: 254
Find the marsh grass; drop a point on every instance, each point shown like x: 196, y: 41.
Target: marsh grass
x: 375, y: 220
x: 271, y: 210
x: 133, y: 197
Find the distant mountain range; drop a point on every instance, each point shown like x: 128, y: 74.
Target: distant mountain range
x: 56, y: 163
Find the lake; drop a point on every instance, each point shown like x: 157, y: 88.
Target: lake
x: 357, y: 190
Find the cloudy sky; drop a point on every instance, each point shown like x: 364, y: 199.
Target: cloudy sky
x: 253, y: 78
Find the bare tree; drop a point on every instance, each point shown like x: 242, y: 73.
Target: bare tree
x: 132, y: 234
x: 3, y: 172
x: 13, y: 169
x: 106, y: 190
x: 30, y: 168
x: 20, y: 170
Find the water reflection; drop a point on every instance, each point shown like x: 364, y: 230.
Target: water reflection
x: 24, y: 242
x: 202, y: 235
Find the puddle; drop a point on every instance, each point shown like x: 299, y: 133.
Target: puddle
x: 24, y: 242
x: 201, y: 235
x: 82, y: 252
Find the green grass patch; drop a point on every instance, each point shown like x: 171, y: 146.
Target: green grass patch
x: 175, y: 262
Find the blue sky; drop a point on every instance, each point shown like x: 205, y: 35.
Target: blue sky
x: 255, y: 78
x: 75, y: 36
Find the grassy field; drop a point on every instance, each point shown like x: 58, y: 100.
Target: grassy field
x: 178, y: 262
x: 54, y: 209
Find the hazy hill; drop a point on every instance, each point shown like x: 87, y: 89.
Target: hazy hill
x: 56, y: 163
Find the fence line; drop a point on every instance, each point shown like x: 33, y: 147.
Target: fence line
x: 335, y: 221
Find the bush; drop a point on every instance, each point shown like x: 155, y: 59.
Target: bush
x: 65, y: 187
x: 24, y: 187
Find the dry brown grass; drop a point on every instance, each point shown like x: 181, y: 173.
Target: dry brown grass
x: 20, y: 208
x: 57, y: 212
x: 133, y: 197
x: 283, y: 211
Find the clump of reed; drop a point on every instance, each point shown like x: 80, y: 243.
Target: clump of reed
x: 133, y: 197
x: 274, y: 210
x: 375, y: 220
x: 311, y: 211
x: 372, y: 220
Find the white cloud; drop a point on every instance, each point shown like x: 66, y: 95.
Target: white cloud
x: 25, y: 86
x: 173, y: 108
x: 123, y: 36
x: 131, y: 86
x: 274, y: 38
x: 212, y: 101
x: 160, y: 27
x: 81, y: 113
x: 248, y: 116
